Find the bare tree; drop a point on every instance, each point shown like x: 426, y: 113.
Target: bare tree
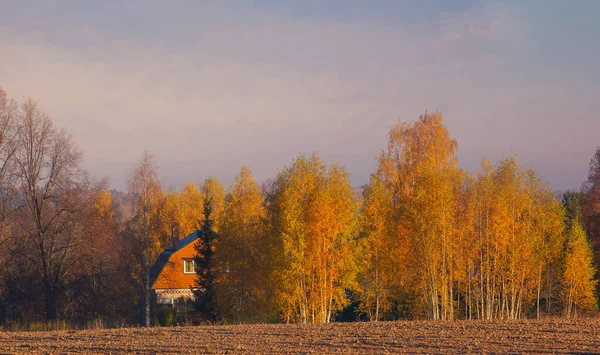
x: 54, y: 190
x: 8, y: 109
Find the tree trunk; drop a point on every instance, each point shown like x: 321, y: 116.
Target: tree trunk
x: 538, y: 293
x: 376, y: 292
x: 146, y: 291
x: 50, y: 298
x: 146, y: 273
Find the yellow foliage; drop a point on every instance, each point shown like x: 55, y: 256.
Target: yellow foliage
x: 242, y: 258
x: 578, y: 273
x: 420, y: 171
x: 214, y: 190
x: 103, y: 205
x: 313, y: 215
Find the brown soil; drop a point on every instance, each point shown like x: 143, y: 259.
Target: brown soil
x: 553, y: 336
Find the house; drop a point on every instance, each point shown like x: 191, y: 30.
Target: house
x: 173, y: 275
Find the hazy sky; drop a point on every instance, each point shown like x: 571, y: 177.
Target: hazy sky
x: 207, y: 86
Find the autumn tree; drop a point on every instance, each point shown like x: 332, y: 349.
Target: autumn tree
x: 420, y: 171
x: 466, y: 244
x: 518, y: 222
x: 98, y: 242
x: 8, y: 145
x: 546, y: 232
x: 313, y: 218
x: 379, y: 271
x: 57, y: 233
x: 578, y: 281
x: 181, y: 212
x: 147, y: 191
x: 484, y: 246
x: 104, y: 292
x: 55, y: 190
x: 241, y: 257
x: 591, y: 209
x: 171, y: 216
x: 191, y: 206
x: 214, y: 191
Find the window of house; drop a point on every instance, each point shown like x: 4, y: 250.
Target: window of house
x: 188, y: 266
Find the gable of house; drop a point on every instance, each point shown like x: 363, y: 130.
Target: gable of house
x: 168, y: 271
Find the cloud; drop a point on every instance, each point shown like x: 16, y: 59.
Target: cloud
x: 210, y: 89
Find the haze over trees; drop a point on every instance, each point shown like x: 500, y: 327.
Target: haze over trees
x: 423, y: 239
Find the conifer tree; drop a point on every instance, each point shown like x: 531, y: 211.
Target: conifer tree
x: 205, y: 271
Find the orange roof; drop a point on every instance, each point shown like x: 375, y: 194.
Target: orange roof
x: 168, y: 273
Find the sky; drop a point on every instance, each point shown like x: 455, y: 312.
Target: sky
x: 209, y: 86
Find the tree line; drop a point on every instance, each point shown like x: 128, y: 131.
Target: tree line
x: 423, y: 239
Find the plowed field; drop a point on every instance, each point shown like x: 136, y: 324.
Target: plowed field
x: 581, y: 336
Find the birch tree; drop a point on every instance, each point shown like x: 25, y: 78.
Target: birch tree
x: 382, y: 260
x: 421, y: 171
x: 241, y: 290
x: 578, y: 281
x: 313, y: 216
x: 145, y: 187
x: 518, y: 225
x: 214, y: 191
